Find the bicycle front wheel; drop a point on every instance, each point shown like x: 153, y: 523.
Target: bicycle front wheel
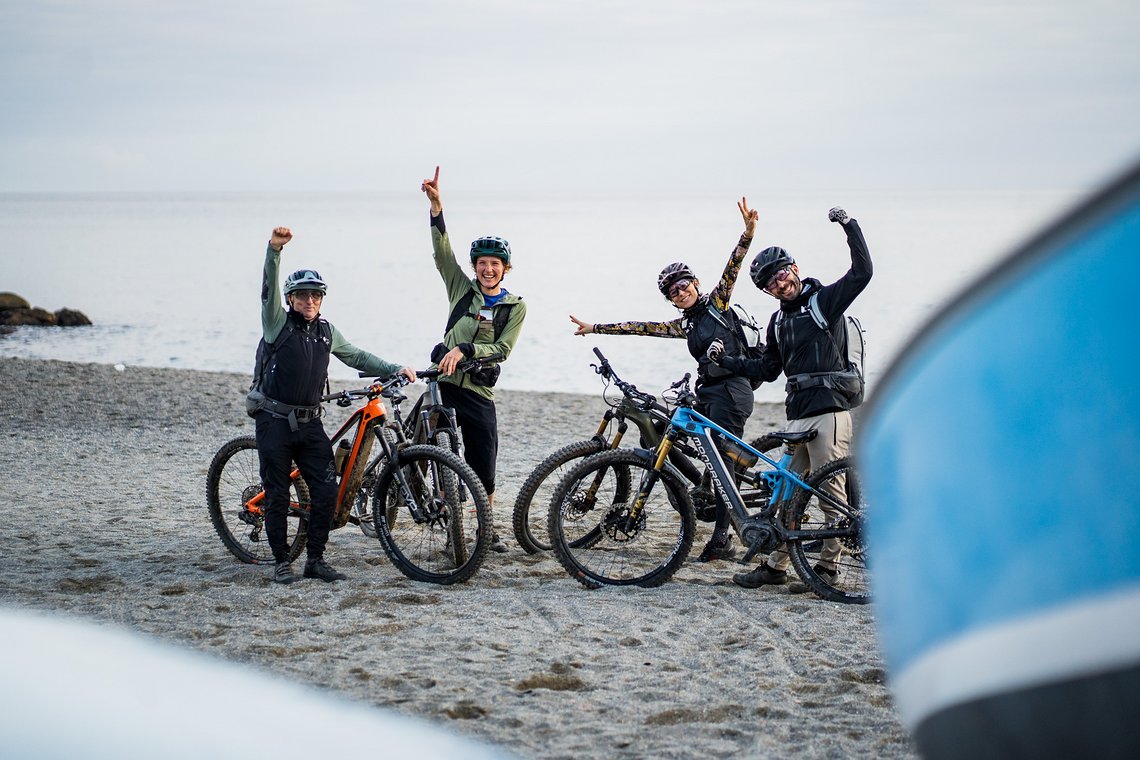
x: 602, y: 537
x: 815, y: 557
x: 233, y: 480
x: 533, y: 500
x: 432, y: 515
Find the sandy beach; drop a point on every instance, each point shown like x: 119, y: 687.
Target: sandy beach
x: 102, y: 476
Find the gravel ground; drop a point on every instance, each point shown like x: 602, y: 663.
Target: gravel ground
x: 102, y: 476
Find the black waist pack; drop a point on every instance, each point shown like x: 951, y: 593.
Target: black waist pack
x: 485, y: 376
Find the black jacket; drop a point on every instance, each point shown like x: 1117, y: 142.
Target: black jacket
x: 797, y: 345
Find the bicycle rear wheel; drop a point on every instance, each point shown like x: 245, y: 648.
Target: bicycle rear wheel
x: 432, y: 529
x: 852, y: 584
x: 233, y: 479
x: 600, y: 541
x: 533, y: 500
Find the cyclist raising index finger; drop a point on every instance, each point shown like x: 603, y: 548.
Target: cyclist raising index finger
x: 485, y: 319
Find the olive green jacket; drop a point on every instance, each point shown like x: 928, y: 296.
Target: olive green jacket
x: 473, y: 334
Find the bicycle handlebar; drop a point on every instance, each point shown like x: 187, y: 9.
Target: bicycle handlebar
x: 399, y: 380
x: 642, y: 399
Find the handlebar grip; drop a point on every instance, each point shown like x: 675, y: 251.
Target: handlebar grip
x: 598, y: 353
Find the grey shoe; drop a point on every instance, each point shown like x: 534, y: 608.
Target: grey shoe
x: 497, y: 544
x: 318, y: 568
x: 761, y: 576
x: 283, y: 573
x: 716, y: 550
x: 828, y: 576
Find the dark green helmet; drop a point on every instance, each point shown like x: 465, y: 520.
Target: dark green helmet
x: 491, y: 246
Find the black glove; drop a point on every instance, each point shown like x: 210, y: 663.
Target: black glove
x: 715, y: 352
x: 837, y: 215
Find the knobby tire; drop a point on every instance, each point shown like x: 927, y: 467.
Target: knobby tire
x: 234, y: 478
x: 448, y: 541
x: 596, y: 540
x: 853, y: 585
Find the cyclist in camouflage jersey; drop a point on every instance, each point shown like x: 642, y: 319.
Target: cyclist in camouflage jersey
x: 725, y: 397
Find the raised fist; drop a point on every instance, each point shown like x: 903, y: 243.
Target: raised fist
x: 837, y: 215
x: 715, y: 351
x: 280, y: 236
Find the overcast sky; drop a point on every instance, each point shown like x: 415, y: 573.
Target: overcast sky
x: 662, y: 96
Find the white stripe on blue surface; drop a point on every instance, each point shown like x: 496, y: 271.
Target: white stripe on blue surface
x: 1074, y: 641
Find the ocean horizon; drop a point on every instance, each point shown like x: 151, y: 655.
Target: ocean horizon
x: 173, y: 279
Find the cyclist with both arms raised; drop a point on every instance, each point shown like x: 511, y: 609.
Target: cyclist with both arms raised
x: 724, y: 396
x: 820, y: 393
x: 489, y: 325
x: 288, y: 425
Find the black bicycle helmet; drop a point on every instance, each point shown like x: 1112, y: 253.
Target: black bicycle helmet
x: 767, y: 263
x: 672, y: 273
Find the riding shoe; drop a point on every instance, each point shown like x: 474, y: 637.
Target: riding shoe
x: 828, y: 576
x: 283, y: 573
x: 318, y: 568
x: 715, y: 550
x: 761, y: 576
x: 497, y: 544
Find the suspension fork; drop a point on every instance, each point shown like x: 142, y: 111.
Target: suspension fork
x: 649, y: 478
x: 390, y: 456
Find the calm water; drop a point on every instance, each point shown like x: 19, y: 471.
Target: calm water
x: 173, y: 280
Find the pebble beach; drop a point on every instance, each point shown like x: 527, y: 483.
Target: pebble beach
x: 102, y: 492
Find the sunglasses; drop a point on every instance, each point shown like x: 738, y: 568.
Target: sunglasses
x: 677, y: 288
x: 308, y: 295
x: 780, y: 276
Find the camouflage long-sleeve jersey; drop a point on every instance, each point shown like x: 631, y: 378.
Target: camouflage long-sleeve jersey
x: 674, y: 328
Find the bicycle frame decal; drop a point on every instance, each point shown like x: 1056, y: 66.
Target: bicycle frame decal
x: 700, y: 430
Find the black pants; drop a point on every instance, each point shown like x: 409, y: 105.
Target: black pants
x: 479, y: 425
x: 278, y: 447
x: 728, y: 403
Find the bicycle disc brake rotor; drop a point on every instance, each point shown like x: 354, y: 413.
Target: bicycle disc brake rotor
x: 620, y: 526
x: 579, y: 505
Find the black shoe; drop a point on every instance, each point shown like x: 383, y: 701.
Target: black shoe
x: 497, y: 544
x: 318, y: 568
x: 828, y: 576
x: 715, y: 550
x: 761, y: 576
x: 283, y: 573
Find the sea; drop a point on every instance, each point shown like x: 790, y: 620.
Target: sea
x: 173, y: 279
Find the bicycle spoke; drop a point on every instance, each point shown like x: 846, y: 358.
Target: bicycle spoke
x: 816, y: 559
x: 603, y: 536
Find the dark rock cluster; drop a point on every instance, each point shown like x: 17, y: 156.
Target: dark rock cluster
x: 16, y: 311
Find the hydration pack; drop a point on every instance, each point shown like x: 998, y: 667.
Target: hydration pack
x: 849, y: 382
x: 256, y: 400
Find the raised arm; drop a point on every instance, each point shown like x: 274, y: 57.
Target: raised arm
x: 722, y: 293
x: 431, y: 189
x: 272, y: 309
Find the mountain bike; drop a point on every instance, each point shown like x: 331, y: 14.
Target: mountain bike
x: 606, y: 532
x: 428, y: 422
x: 651, y: 419
x: 427, y: 506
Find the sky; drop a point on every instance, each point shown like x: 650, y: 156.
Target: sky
x: 599, y: 96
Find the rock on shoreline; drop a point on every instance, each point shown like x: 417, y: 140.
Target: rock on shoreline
x: 15, y: 311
